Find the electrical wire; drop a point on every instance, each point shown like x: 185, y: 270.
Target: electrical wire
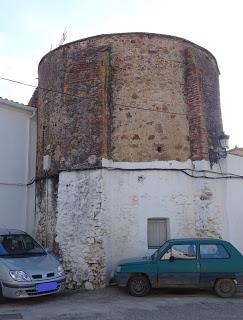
x: 186, y: 171
x: 45, y: 89
x: 90, y: 98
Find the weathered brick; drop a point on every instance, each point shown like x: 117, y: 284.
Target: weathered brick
x: 109, y: 81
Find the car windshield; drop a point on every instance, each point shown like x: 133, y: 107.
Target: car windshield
x: 16, y: 245
x: 158, y: 252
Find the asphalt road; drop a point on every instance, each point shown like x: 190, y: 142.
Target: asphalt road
x: 115, y: 303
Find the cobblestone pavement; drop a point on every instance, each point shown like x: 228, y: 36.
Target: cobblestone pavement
x: 116, y: 303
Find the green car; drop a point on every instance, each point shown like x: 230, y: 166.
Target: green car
x: 188, y: 263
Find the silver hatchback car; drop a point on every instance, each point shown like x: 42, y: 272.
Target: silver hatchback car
x: 26, y: 268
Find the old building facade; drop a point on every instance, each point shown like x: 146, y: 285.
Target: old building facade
x: 127, y: 125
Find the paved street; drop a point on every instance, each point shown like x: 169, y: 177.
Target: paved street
x: 116, y: 303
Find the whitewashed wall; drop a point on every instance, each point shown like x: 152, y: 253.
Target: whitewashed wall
x: 193, y: 206
x: 102, y: 214
x: 17, y: 165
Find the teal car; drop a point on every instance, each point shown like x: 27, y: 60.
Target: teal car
x: 189, y: 263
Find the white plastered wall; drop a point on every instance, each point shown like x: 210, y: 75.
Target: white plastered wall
x: 17, y: 165
x: 193, y: 206
x: 102, y: 214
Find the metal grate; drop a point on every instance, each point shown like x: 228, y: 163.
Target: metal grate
x: 51, y: 274
x: 40, y: 276
x: 37, y: 276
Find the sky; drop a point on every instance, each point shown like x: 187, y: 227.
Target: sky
x: 30, y: 28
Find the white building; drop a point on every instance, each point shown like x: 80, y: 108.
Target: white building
x: 17, y: 165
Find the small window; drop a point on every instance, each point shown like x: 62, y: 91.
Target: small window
x: 157, y: 232
x: 181, y: 251
x: 213, y: 251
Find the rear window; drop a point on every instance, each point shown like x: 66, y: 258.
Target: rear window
x: 213, y: 251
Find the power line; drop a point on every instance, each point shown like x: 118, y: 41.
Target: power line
x: 45, y: 89
x: 72, y: 95
x: 186, y: 171
x: 90, y: 98
x: 19, y: 82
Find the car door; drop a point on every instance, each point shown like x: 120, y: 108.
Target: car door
x: 179, y: 266
x: 215, y: 262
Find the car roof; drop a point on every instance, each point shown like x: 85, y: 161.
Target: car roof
x: 197, y: 240
x: 5, y: 231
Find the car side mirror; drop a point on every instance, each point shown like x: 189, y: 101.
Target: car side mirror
x: 172, y: 258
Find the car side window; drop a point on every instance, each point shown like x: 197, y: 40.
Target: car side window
x: 213, y: 251
x: 181, y: 251
x: 166, y: 255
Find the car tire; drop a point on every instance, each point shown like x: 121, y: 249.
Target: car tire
x: 1, y: 294
x: 139, y: 286
x: 225, y: 288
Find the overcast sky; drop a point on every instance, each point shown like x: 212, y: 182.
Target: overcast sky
x: 29, y: 28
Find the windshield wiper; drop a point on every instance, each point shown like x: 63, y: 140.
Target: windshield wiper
x: 22, y: 254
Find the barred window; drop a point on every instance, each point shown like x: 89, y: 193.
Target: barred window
x: 157, y: 232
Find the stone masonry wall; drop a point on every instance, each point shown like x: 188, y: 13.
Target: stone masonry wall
x: 126, y: 97
x: 72, y: 127
x: 80, y: 228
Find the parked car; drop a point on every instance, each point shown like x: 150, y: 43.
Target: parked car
x: 191, y: 263
x: 26, y: 268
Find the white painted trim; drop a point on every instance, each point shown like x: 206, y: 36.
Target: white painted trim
x: 148, y: 165
x: 172, y: 164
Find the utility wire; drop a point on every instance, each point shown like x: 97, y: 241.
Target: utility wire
x: 223, y: 175
x: 45, y: 89
x: 15, y: 81
x: 185, y: 171
x: 75, y: 96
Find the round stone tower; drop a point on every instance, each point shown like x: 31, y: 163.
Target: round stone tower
x: 109, y: 106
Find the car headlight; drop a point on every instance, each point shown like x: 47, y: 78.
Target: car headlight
x: 19, y: 275
x: 118, y: 269
x: 60, y: 271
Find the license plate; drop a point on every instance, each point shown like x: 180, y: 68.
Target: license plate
x: 41, y: 287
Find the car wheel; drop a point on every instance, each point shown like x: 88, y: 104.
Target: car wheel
x: 139, y: 286
x: 225, y: 288
x: 1, y: 294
